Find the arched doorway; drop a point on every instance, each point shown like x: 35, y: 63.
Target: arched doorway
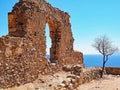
x: 48, y: 41
x: 53, y: 36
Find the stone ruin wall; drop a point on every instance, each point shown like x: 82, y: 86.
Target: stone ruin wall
x: 23, y: 50
x: 113, y: 70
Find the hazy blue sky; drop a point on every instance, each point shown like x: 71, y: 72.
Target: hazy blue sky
x: 89, y: 19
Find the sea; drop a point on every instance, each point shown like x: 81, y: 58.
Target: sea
x: 96, y: 60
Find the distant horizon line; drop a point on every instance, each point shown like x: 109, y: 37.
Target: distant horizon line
x: 94, y: 54
x: 99, y: 53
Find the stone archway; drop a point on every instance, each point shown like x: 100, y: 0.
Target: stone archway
x: 23, y: 50
x: 28, y: 19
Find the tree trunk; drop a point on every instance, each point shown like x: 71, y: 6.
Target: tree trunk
x: 103, y: 67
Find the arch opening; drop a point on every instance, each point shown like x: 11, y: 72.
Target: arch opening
x: 53, y: 36
x: 48, y: 41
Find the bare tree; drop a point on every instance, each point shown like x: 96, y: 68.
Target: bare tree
x: 105, y: 47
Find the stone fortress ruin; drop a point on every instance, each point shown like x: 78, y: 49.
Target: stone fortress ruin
x: 23, y: 50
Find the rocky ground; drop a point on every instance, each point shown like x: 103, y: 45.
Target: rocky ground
x: 109, y: 82
x: 47, y: 82
x: 68, y: 81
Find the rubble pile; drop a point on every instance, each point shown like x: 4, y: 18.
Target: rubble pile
x: 60, y: 80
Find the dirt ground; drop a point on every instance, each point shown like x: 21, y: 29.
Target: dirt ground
x: 49, y: 82
x: 108, y: 82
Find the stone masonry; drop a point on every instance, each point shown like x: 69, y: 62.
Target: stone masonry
x: 23, y: 50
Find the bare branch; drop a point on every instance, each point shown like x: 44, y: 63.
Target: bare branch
x: 105, y: 47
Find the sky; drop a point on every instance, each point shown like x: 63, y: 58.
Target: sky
x: 89, y: 19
